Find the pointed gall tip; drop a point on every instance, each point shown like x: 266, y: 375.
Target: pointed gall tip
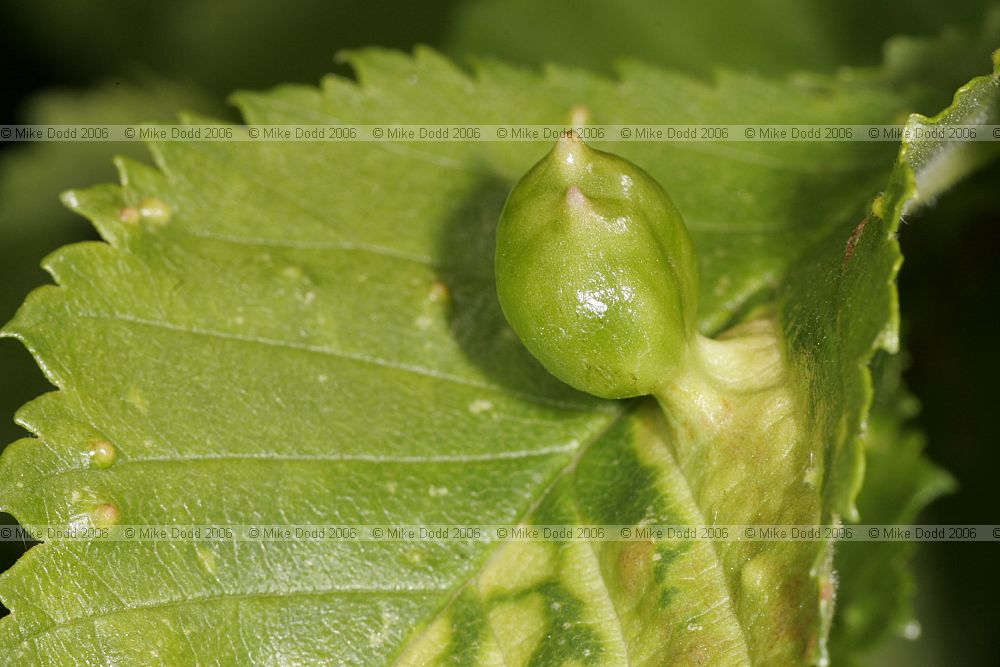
x: 569, y: 137
x: 569, y: 151
x: 579, y: 115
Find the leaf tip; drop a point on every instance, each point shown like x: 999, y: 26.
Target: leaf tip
x: 70, y: 199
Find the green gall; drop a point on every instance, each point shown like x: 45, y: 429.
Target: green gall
x: 596, y: 273
x: 101, y: 453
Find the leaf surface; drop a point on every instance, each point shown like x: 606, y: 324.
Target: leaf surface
x: 308, y: 333
x: 875, y: 585
x: 772, y: 36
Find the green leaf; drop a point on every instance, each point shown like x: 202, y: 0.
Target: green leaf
x: 308, y: 333
x: 875, y: 582
x: 839, y: 301
x: 773, y: 36
x: 32, y: 221
x: 32, y: 175
x: 875, y: 585
x: 929, y: 69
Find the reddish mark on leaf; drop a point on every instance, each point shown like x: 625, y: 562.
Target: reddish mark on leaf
x: 826, y: 590
x: 634, y: 564
x: 129, y: 214
x: 439, y: 292
x: 852, y: 242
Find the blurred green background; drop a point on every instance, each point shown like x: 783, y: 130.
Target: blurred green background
x: 113, y: 61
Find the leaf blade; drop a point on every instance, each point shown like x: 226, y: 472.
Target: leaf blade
x: 197, y: 350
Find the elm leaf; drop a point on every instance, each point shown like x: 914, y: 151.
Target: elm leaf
x: 303, y: 333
